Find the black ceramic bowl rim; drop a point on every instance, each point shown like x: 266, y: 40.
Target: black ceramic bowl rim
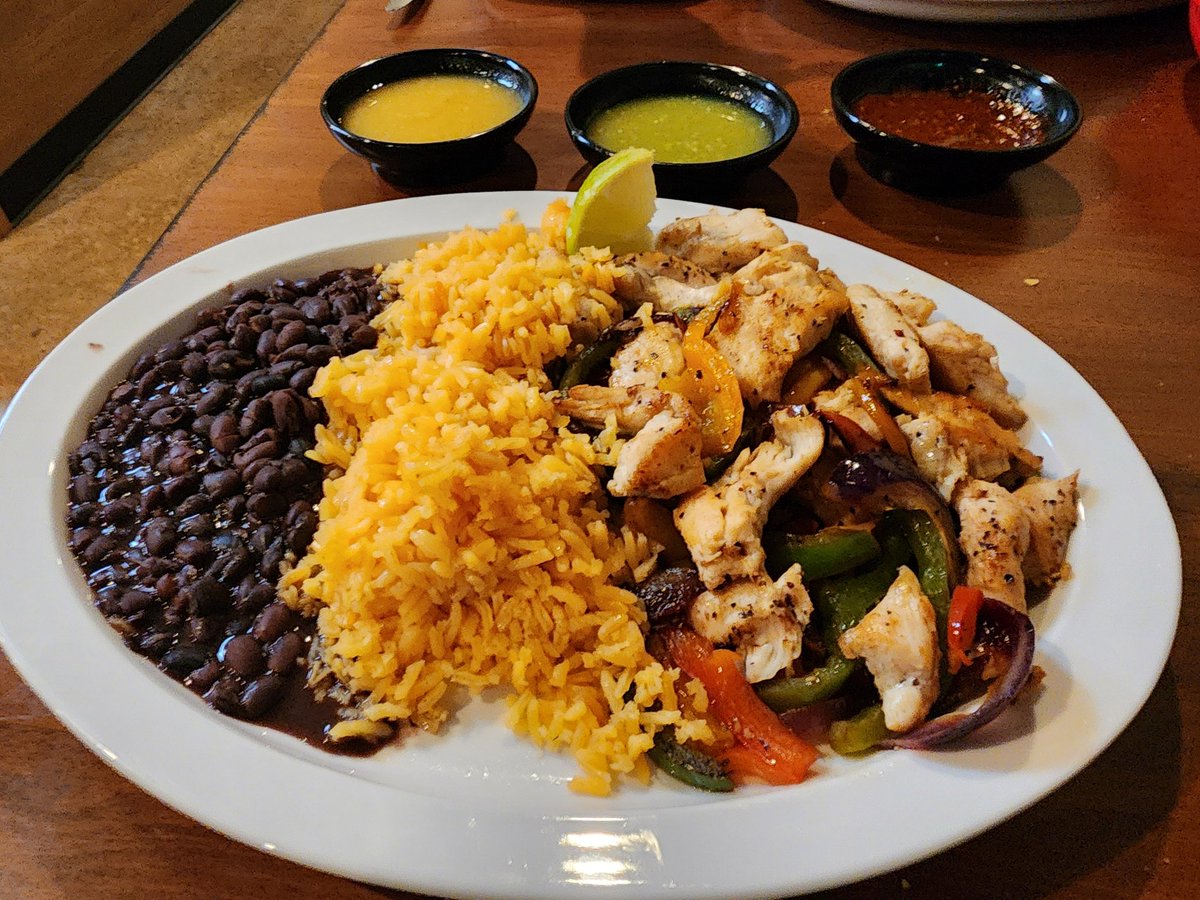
x: 433, y: 61
x: 733, y: 76
x: 877, y: 74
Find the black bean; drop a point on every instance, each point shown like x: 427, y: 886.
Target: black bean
x: 312, y: 411
x: 283, y: 653
x: 266, y: 506
x: 317, y: 310
x: 227, y: 363
x: 302, y: 380
x: 319, y: 355
x: 235, y: 507
x: 268, y: 479
x: 286, y: 367
x: 231, y: 564
x: 98, y: 550
x: 285, y: 411
x: 223, y: 696
x: 301, y: 532
x: 244, y: 338
x: 204, y: 630
x: 297, y: 352
x: 198, y: 525
x: 170, y: 350
x: 204, y: 677
x: 193, y: 506
x: 84, y: 489
x: 153, y: 499
x: 183, y: 659
x: 256, y: 597
x: 166, y: 586
x: 261, y: 694
x: 261, y: 538
x: 256, y: 417
x: 168, y: 417
x: 205, y: 596
x: 159, y: 535
x: 155, y: 643
x: 194, y: 551
x: 224, y: 433
x: 242, y: 654
x: 221, y: 484
x: 289, y: 335
x: 82, y: 513
x: 144, y: 364
x: 133, y: 602
x: 215, y: 397
x: 273, y: 621
x: 265, y: 450
x: 122, y: 511
x: 271, y: 558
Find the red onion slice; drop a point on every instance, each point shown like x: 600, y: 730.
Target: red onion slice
x: 1004, y: 632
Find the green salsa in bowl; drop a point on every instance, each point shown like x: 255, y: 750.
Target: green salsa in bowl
x: 702, y: 121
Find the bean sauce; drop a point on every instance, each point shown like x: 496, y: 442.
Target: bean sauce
x: 192, y: 488
x: 971, y: 120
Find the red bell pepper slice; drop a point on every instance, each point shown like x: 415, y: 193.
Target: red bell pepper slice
x: 965, y: 604
x: 766, y: 747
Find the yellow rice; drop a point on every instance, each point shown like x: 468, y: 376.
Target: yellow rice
x: 464, y: 538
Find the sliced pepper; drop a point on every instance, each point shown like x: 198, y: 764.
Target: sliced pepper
x: 960, y: 630
x: 685, y: 764
x: 859, y: 733
x: 831, y: 551
x: 840, y: 603
x: 768, y: 744
x: 934, y: 567
x: 591, y: 359
x: 847, y: 353
x: 709, y: 384
x: 864, y: 387
x: 715, y: 466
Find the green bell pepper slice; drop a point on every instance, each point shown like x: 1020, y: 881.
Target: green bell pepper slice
x: 692, y: 767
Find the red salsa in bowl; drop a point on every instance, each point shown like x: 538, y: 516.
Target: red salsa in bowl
x: 972, y: 120
x: 950, y: 121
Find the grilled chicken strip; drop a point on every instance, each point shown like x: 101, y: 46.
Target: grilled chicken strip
x: 916, y: 308
x: 898, y: 639
x: 844, y: 400
x: 765, y: 620
x: 994, y: 537
x: 633, y: 407
x: 667, y: 282
x: 655, y: 353
x: 893, y: 342
x: 721, y: 242
x: 779, y: 308
x: 1050, y: 505
x: 965, y: 363
x: 662, y: 459
x: 722, y: 523
x: 953, y: 440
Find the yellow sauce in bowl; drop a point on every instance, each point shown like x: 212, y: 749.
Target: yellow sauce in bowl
x: 431, y: 108
x: 682, y: 129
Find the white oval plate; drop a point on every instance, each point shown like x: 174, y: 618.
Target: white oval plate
x: 1004, y: 10
x: 477, y: 811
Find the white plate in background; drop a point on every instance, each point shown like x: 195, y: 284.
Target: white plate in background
x: 1004, y: 10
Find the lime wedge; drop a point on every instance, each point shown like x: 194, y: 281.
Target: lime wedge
x: 615, y: 204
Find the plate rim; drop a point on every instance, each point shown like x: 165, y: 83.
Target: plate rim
x: 649, y: 837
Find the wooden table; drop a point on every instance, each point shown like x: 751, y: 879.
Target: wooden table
x: 1107, y: 227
